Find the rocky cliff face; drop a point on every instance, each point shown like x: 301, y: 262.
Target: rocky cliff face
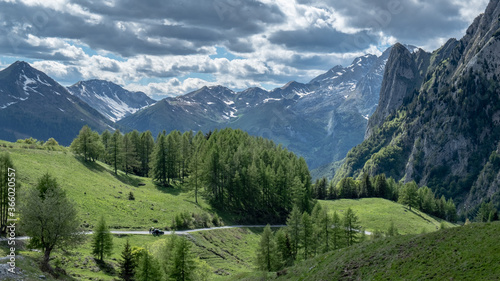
x: 444, y: 134
x: 403, y: 74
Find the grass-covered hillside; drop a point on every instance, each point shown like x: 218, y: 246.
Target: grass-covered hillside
x: 469, y: 252
x: 377, y: 214
x: 98, y: 191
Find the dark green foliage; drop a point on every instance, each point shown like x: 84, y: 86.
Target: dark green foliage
x: 183, y: 265
x: 266, y: 253
x: 127, y: 264
x: 131, y: 196
x: 158, y: 162
x: 294, y: 228
x: 102, y: 241
x: 408, y: 195
x: 487, y: 213
x: 307, y: 238
x: 392, y: 231
x: 6, y: 168
x: 49, y: 218
x: 351, y: 227
x: 148, y: 268
x: 115, y: 150
x: 284, y: 254
x: 88, y: 144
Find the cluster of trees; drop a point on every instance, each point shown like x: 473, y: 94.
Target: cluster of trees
x: 173, y: 260
x: 130, y: 152
x: 247, y: 176
x: 306, y: 235
x: 409, y: 194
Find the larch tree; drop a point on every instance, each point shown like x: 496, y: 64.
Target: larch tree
x: 351, y: 226
x: 183, y: 264
x: 49, y: 218
x: 115, y: 150
x: 266, y: 253
x: 102, y: 241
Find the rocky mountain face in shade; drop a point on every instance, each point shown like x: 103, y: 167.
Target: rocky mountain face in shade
x: 438, y: 120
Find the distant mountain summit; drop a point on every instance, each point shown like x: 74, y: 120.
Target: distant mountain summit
x: 34, y: 105
x: 320, y: 120
x: 109, y: 99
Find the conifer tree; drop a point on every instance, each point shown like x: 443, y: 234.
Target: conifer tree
x: 284, y: 249
x: 127, y: 264
x: 146, y: 149
x: 325, y: 229
x: 102, y: 241
x: 351, y: 226
x: 159, y: 160
x: 148, y: 268
x: 266, y: 253
x: 183, y: 264
x: 294, y: 228
x: 408, y: 195
x: 115, y: 150
x: 306, y: 235
x: 337, y: 231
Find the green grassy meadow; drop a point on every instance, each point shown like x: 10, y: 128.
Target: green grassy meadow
x: 97, y: 191
x: 470, y: 252
x: 377, y: 214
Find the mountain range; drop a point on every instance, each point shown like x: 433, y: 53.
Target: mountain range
x: 319, y: 120
x: 34, y: 105
x: 438, y: 118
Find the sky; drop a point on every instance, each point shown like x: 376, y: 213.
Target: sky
x: 168, y: 48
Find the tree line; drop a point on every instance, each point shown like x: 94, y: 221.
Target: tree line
x: 307, y: 235
x: 250, y: 177
x: 409, y: 194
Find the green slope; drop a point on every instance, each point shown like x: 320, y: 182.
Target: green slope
x: 377, y: 214
x: 98, y: 191
x: 470, y: 252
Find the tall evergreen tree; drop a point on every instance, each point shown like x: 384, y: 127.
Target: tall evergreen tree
x: 183, y: 261
x: 105, y: 138
x: 266, y: 253
x: 146, y: 149
x: 127, y: 264
x: 325, y: 229
x: 294, y: 228
x: 129, y: 154
x: 306, y: 235
x: 408, y: 195
x: 115, y: 150
x: 284, y: 254
x: 159, y: 160
x: 102, y: 241
x: 337, y: 231
x: 148, y: 268
x: 381, y: 186
x: 351, y: 226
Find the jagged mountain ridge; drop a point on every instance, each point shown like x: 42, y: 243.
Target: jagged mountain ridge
x: 441, y: 126
x: 110, y: 99
x: 34, y: 105
x: 320, y: 120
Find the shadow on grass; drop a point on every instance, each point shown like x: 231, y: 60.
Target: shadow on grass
x: 425, y: 219
x: 168, y: 189
x: 107, y: 268
x: 93, y: 166
x: 126, y: 179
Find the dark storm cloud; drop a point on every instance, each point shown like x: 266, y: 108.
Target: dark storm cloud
x: 135, y: 27
x: 326, y: 40
x: 408, y: 21
x: 244, y: 16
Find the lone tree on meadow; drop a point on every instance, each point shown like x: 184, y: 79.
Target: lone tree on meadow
x: 49, y: 218
x: 409, y: 195
x: 102, y: 241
